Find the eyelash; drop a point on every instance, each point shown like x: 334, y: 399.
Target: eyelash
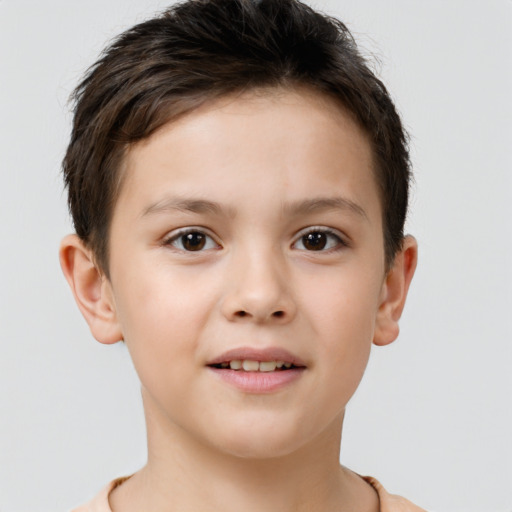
x: 339, y: 242
x: 180, y: 234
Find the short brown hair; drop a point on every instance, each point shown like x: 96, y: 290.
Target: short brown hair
x: 200, y: 50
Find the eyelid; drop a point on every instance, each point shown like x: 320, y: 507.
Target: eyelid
x: 175, y: 234
x: 342, y: 238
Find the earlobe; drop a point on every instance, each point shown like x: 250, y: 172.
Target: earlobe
x: 91, y: 289
x: 394, y: 292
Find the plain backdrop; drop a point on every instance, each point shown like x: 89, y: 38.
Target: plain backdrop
x: 432, y: 418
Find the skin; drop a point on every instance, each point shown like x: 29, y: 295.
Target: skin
x: 259, y: 158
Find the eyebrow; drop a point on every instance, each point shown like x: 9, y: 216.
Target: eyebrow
x: 184, y: 205
x: 308, y: 206
x: 323, y: 204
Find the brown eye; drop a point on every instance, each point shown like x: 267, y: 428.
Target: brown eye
x: 320, y: 240
x: 193, y: 241
x: 315, y: 241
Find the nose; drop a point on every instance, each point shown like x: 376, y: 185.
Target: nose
x: 259, y: 291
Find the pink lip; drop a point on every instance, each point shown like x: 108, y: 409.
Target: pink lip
x: 258, y: 382
x: 256, y: 354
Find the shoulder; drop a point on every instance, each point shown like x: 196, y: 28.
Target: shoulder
x: 100, y: 502
x: 391, y: 502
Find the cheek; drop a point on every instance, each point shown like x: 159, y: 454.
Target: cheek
x: 162, y: 299
x: 161, y: 314
x: 343, y: 304
x: 342, y: 312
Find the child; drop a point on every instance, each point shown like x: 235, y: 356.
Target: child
x: 238, y: 181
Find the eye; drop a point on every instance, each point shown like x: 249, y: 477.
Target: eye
x: 191, y: 240
x: 319, y: 239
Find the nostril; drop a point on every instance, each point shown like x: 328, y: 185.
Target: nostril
x: 241, y: 313
x: 278, y: 314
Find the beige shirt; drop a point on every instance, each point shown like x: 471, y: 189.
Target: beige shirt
x: 388, y: 502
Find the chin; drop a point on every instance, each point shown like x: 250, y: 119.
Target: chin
x: 261, y: 441
x: 259, y: 451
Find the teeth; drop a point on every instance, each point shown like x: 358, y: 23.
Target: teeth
x: 268, y: 366
x: 249, y: 365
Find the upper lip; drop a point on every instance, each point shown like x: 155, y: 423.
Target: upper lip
x: 257, y: 354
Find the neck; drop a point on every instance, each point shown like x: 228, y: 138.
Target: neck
x: 185, y: 474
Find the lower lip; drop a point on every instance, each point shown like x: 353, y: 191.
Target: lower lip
x: 258, y: 382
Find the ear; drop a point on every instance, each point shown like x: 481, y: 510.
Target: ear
x: 394, y: 292
x: 91, y: 289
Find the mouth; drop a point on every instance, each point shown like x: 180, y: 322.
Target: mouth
x: 251, y: 365
x: 258, y: 370
x: 247, y: 359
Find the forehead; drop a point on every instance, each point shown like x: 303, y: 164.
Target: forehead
x: 280, y: 141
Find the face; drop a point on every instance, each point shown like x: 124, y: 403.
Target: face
x: 249, y: 234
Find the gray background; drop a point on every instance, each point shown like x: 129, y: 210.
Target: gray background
x: 432, y: 419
